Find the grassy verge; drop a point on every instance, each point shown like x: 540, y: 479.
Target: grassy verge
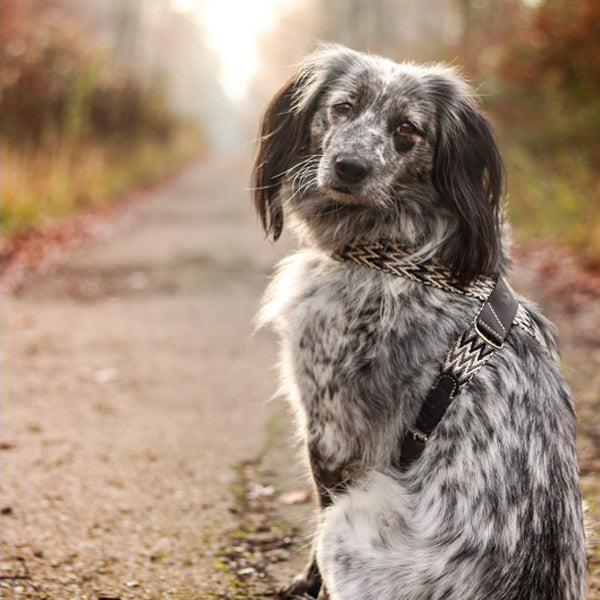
x: 58, y: 179
x: 556, y: 197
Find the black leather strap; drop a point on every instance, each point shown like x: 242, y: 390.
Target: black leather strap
x: 472, y: 350
x: 497, y: 314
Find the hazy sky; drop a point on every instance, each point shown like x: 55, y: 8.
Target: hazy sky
x: 233, y: 28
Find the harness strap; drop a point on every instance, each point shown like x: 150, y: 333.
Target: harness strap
x: 472, y: 350
x: 499, y: 311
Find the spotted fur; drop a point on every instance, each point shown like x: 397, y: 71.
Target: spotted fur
x: 492, y: 509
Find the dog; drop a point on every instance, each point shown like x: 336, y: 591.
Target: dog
x: 357, y: 151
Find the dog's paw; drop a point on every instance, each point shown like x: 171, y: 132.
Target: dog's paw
x: 302, y: 587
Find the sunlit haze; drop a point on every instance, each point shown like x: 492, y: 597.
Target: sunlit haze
x: 233, y: 28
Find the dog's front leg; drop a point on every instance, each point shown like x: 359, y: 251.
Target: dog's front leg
x: 326, y: 480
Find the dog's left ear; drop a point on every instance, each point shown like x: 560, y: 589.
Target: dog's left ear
x: 283, y: 135
x: 285, y: 129
x: 469, y: 176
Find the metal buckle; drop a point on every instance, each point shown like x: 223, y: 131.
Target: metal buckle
x: 417, y: 434
x: 483, y: 336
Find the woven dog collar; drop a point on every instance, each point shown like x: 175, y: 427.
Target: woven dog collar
x: 393, y: 259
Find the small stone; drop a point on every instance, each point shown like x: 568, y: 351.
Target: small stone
x: 107, y: 375
x: 262, y: 491
x: 296, y: 497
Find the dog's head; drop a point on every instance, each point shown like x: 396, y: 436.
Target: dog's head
x: 359, y: 148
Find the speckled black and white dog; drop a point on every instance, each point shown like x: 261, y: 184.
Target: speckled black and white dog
x: 357, y: 148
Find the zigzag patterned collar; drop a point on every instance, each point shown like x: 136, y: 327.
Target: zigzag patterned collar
x: 393, y: 259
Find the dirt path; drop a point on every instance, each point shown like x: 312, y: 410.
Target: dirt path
x: 132, y: 392
x: 140, y: 459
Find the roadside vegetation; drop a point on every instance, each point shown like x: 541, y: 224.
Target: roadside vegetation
x: 78, y: 128
x: 547, y: 108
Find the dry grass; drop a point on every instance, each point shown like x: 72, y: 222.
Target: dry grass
x: 57, y: 179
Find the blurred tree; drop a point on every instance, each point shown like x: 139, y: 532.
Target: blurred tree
x: 561, y: 43
x: 78, y: 126
x: 167, y: 48
x: 59, y: 85
x: 558, y: 49
x: 404, y: 30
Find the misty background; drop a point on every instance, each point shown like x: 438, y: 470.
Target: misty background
x: 100, y: 95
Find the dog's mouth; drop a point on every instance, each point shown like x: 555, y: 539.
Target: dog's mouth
x: 345, y: 195
x: 340, y: 190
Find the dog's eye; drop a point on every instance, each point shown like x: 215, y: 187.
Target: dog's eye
x: 343, y: 108
x: 406, y: 128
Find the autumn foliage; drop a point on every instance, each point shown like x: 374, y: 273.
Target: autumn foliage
x: 560, y: 46
x: 77, y: 125
x: 53, y: 77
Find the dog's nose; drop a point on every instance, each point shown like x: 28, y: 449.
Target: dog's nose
x: 351, y: 168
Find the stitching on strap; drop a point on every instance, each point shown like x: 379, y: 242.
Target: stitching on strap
x: 496, y: 317
x: 490, y: 329
x: 455, y: 385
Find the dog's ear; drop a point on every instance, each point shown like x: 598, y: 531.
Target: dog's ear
x: 283, y: 135
x: 469, y: 176
x: 285, y: 129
